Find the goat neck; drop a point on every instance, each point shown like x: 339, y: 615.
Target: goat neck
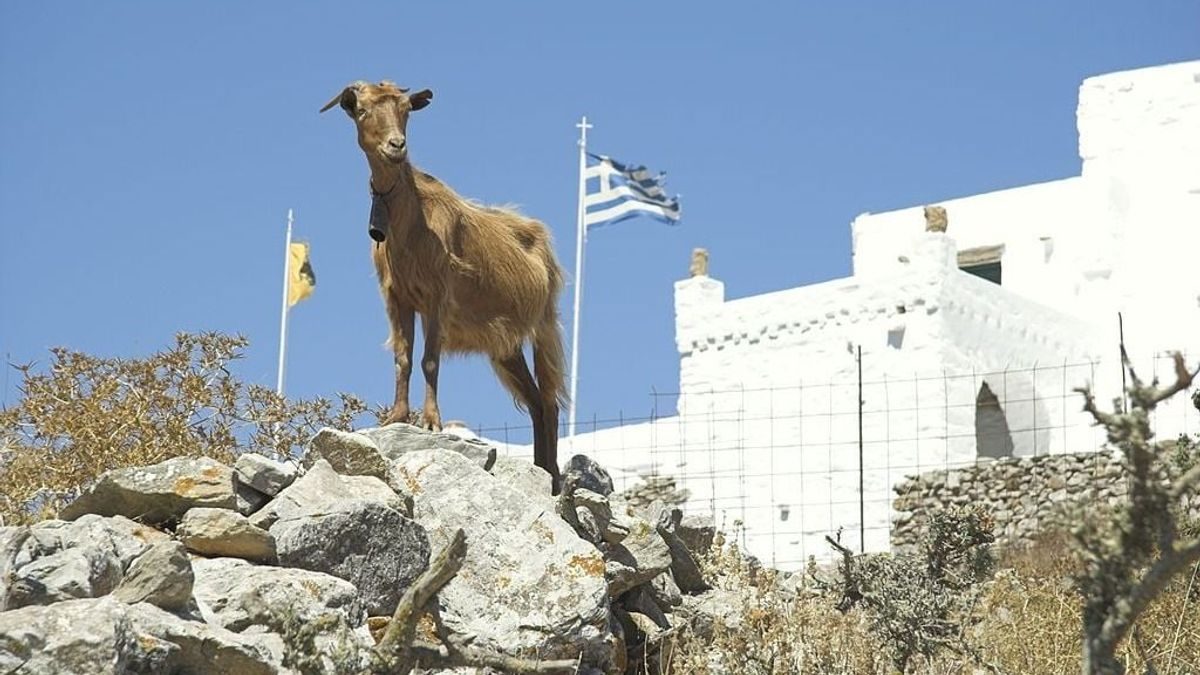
x: 393, y: 198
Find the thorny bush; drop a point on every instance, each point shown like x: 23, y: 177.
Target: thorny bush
x: 85, y: 415
x: 923, y: 602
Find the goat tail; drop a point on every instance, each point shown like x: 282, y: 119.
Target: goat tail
x: 549, y: 364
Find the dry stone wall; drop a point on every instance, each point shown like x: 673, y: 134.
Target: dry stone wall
x: 1021, y: 494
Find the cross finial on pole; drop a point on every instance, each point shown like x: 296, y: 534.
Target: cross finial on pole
x: 583, y: 126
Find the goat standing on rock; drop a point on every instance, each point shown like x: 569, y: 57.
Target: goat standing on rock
x: 483, y: 279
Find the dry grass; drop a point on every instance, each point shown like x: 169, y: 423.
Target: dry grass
x: 1029, y: 621
x: 83, y: 415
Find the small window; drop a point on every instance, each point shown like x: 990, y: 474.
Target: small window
x: 983, y: 262
x: 988, y: 271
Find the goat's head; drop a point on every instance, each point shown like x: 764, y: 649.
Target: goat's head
x: 380, y: 111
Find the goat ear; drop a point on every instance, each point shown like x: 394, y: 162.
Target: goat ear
x: 348, y: 99
x: 420, y: 99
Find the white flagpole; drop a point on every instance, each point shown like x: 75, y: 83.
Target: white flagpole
x: 283, y: 315
x: 580, y: 235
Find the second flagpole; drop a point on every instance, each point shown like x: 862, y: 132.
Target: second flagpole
x: 580, y: 235
x: 283, y: 314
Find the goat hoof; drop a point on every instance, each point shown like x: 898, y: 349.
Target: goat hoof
x: 396, y: 416
x: 431, y: 422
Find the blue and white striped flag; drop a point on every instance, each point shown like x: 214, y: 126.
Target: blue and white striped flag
x: 615, y: 192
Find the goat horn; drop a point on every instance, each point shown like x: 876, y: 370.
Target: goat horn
x: 335, y: 100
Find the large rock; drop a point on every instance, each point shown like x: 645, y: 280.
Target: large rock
x: 162, y: 576
x: 696, y: 532
x: 685, y: 566
x: 638, y: 558
x: 320, y: 490
x: 523, y: 475
x: 57, y: 560
x: 396, y: 440
x: 714, y: 607
x: 529, y: 585
x: 348, y: 452
x: 264, y: 474
x: 104, y: 635
x: 588, y: 474
x: 219, y: 532
x: 159, y: 493
x: 371, y: 545
x: 236, y: 594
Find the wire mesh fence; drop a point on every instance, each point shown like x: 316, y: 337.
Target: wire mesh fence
x: 792, y: 463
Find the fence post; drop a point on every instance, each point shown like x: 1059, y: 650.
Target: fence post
x: 1124, y: 357
x: 862, y: 520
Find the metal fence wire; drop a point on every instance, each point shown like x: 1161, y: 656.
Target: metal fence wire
x: 794, y: 463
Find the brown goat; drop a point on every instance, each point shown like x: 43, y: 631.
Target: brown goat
x: 483, y: 279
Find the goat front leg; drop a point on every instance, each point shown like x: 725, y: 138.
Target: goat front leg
x: 403, y: 332
x: 430, y: 363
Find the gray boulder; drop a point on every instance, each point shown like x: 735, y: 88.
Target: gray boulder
x: 711, y: 608
x: 371, y: 545
x: 685, y: 567
x: 57, y: 560
x: 162, y: 576
x: 640, y: 557
x: 219, y: 532
x: 588, y: 475
x: 523, y: 475
x: 104, y: 635
x: 248, y: 499
x: 529, y: 584
x: 264, y: 474
x: 348, y: 452
x: 159, y: 493
x: 665, y: 591
x: 696, y: 532
x: 236, y: 594
x: 321, y: 490
x: 396, y: 440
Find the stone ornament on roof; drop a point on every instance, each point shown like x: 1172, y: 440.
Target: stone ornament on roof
x: 699, y: 266
x: 935, y: 219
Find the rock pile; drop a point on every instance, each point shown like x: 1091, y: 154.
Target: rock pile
x: 274, y: 567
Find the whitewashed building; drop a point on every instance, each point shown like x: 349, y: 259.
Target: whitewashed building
x: 971, y: 340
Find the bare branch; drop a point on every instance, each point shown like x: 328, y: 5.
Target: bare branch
x: 1183, y: 380
x: 1152, y: 583
x: 394, y: 653
x: 1185, y: 483
x: 1089, y: 406
x: 455, y: 654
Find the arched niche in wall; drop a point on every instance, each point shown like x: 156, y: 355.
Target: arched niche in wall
x: 992, y: 436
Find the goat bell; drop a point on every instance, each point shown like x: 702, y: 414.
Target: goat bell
x: 377, y: 223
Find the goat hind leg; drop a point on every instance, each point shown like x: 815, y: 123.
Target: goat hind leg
x: 514, y: 374
x: 548, y: 365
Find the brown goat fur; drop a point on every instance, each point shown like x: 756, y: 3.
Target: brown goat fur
x: 483, y: 279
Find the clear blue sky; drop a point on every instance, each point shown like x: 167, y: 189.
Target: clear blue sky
x: 149, y: 152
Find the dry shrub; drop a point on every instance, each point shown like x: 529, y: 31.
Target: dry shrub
x: 85, y: 415
x: 769, y: 626
x: 1034, y: 614
x: 1026, y: 620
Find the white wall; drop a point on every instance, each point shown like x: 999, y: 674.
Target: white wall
x: 767, y: 431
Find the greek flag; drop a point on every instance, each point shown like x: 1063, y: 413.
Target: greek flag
x: 615, y: 192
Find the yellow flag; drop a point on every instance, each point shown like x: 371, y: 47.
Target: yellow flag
x: 301, y: 279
